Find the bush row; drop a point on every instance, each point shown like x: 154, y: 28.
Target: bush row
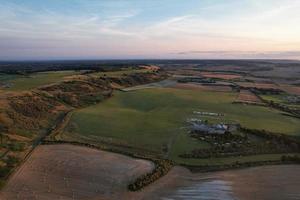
x: 162, y: 167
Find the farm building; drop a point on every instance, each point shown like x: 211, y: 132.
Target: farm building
x: 204, y: 128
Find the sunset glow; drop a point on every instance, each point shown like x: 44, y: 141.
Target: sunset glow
x: 127, y: 29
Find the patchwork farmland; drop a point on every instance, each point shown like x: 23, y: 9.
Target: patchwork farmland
x: 60, y: 129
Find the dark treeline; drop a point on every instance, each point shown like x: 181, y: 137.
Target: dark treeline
x: 196, y: 80
x: 282, y: 138
x: 259, y: 91
x: 37, y: 66
x: 284, y: 108
x: 229, y: 145
x: 238, y: 165
x: 162, y: 167
x: 31, y: 67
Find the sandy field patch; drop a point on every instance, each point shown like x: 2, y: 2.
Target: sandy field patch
x: 73, y: 172
x: 291, y: 89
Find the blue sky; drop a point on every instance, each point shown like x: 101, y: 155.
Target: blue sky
x: 121, y: 29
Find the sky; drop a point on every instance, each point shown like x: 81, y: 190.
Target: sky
x: 149, y: 29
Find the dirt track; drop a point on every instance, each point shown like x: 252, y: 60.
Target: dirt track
x: 73, y: 172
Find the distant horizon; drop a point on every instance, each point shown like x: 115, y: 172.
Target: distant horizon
x: 152, y: 59
x: 159, y: 29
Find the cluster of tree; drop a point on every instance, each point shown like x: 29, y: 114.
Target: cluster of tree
x: 30, y: 67
x: 259, y: 91
x: 279, y: 138
x: 234, y: 165
x: 31, y: 112
x: 289, y: 158
x: 136, y: 78
x: 31, y: 105
x: 284, y: 108
x: 161, y: 168
x: 10, y: 163
x: 226, y: 145
x: 11, y: 145
x: 4, y: 171
x: 3, y: 129
x: 196, y: 80
x: 80, y: 93
x: 272, y: 91
x: 227, y: 137
x: 234, y: 149
x: 120, y: 67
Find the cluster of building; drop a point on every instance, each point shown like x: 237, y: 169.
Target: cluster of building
x: 293, y: 99
x: 200, y: 126
x: 6, y: 85
x: 205, y: 128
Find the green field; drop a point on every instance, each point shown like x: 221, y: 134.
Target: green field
x: 31, y: 81
x: 154, y: 118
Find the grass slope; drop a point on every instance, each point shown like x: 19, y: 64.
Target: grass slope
x: 22, y: 82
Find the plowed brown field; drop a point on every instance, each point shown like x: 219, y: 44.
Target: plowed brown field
x: 73, y: 172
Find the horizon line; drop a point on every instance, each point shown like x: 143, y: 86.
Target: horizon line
x: 137, y: 59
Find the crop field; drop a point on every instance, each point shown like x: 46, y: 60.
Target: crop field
x: 73, y: 172
x: 258, y: 85
x: 31, y: 81
x: 291, y: 89
x: 248, y: 97
x: 155, y: 119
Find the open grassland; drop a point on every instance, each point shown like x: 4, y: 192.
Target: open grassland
x: 31, y: 81
x: 155, y: 119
